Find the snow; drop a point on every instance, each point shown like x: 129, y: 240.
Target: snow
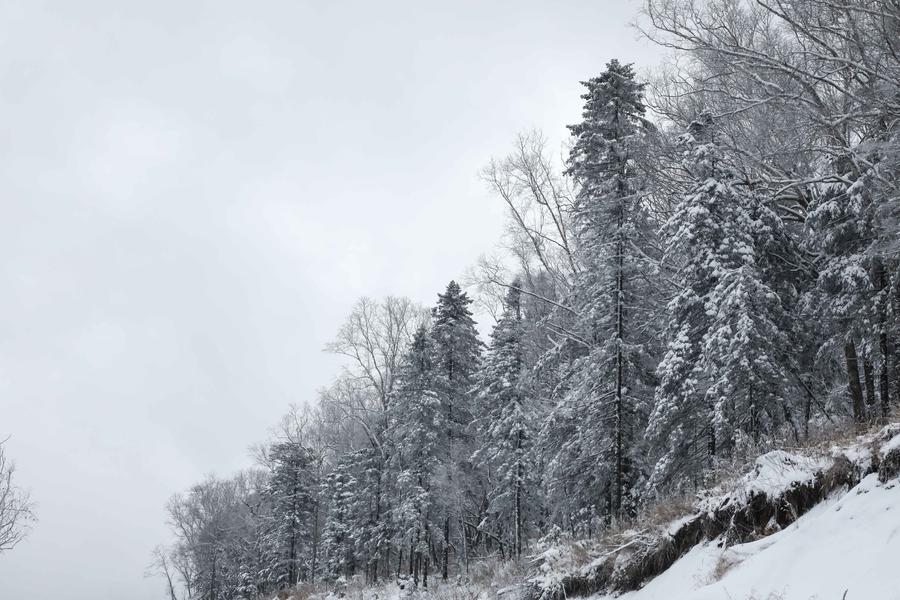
x: 778, y: 470
x: 859, y: 454
x: 849, y: 544
x: 891, y: 445
x: 677, y: 524
x: 773, y: 474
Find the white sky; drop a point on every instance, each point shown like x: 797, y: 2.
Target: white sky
x: 193, y: 195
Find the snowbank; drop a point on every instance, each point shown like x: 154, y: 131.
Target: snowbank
x: 776, y: 532
x: 851, y: 544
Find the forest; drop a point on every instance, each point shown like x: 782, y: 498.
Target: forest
x: 705, y: 271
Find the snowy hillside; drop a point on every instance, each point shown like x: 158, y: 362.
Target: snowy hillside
x: 798, y: 526
x: 851, y: 544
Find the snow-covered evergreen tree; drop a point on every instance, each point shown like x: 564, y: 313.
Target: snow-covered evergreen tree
x: 854, y: 284
x: 291, y: 487
x: 506, y: 422
x: 608, y: 385
x: 418, y: 430
x: 457, y: 357
x: 726, y: 362
x: 339, y: 533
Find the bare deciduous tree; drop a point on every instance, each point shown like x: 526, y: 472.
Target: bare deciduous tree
x: 374, y: 338
x: 16, y: 508
x: 539, y: 199
x: 162, y: 566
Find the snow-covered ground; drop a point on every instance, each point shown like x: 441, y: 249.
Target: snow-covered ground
x: 849, y: 544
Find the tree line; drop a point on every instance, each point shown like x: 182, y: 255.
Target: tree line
x: 710, y: 271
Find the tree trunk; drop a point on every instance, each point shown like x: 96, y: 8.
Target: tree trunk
x: 710, y: 436
x: 869, y: 374
x: 315, y: 542
x: 856, y: 395
x: 415, y: 565
x: 620, y: 366
x: 450, y: 466
x: 754, y: 417
x: 896, y: 360
x: 412, y: 554
x: 883, y: 345
x: 292, y: 556
x: 895, y: 344
x: 619, y: 410
x: 884, y: 379
x: 519, y: 477
x: 445, y: 559
x: 807, y: 413
x: 213, y: 588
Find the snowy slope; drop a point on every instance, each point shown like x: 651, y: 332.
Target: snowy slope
x: 851, y: 544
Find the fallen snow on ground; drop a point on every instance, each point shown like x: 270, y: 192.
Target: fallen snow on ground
x: 773, y: 473
x: 892, y: 445
x: 850, y: 544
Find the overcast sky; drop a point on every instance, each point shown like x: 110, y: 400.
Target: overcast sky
x: 194, y: 194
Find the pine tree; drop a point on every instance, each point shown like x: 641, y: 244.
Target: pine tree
x: 417, y: 428
x: 291, y: 487
x: 505, y: 429
x: 261, y: 559
x: 457, y: 354
x: 608, y: 386
x: 853, y: 291
x: 457, y: 357
x: 338, y: 544
x: 725, y: 364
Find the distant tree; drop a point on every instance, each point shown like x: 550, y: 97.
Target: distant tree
x: 418, y: 433
x: 162, y: 566
x: 373, y: 338
x: 506, y: 422
x: 291, y: 487
x: 457, y: 357
x: 16, y: 508
x: 341, y: 532
x: 208, y: 522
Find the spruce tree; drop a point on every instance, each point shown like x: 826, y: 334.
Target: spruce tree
x: 457, y: 357
x: 608, y: 386
x: 417, y: 430
x: 291, y: 487
x: 338, y: 535
x: 853, y: 290
x: 726, y: 361
x: 505, y: 429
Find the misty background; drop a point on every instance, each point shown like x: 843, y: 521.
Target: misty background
x: 193, y: 196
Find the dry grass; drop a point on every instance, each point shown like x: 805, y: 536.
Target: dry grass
x: 674, y: 507
x: 496, y: 573
x: 725, y: 563
x: 488, y: 576
x: 304, y: 591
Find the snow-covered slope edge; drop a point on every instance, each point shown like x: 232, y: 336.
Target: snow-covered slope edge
x: 850, y: 545
x: 747, y: 539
